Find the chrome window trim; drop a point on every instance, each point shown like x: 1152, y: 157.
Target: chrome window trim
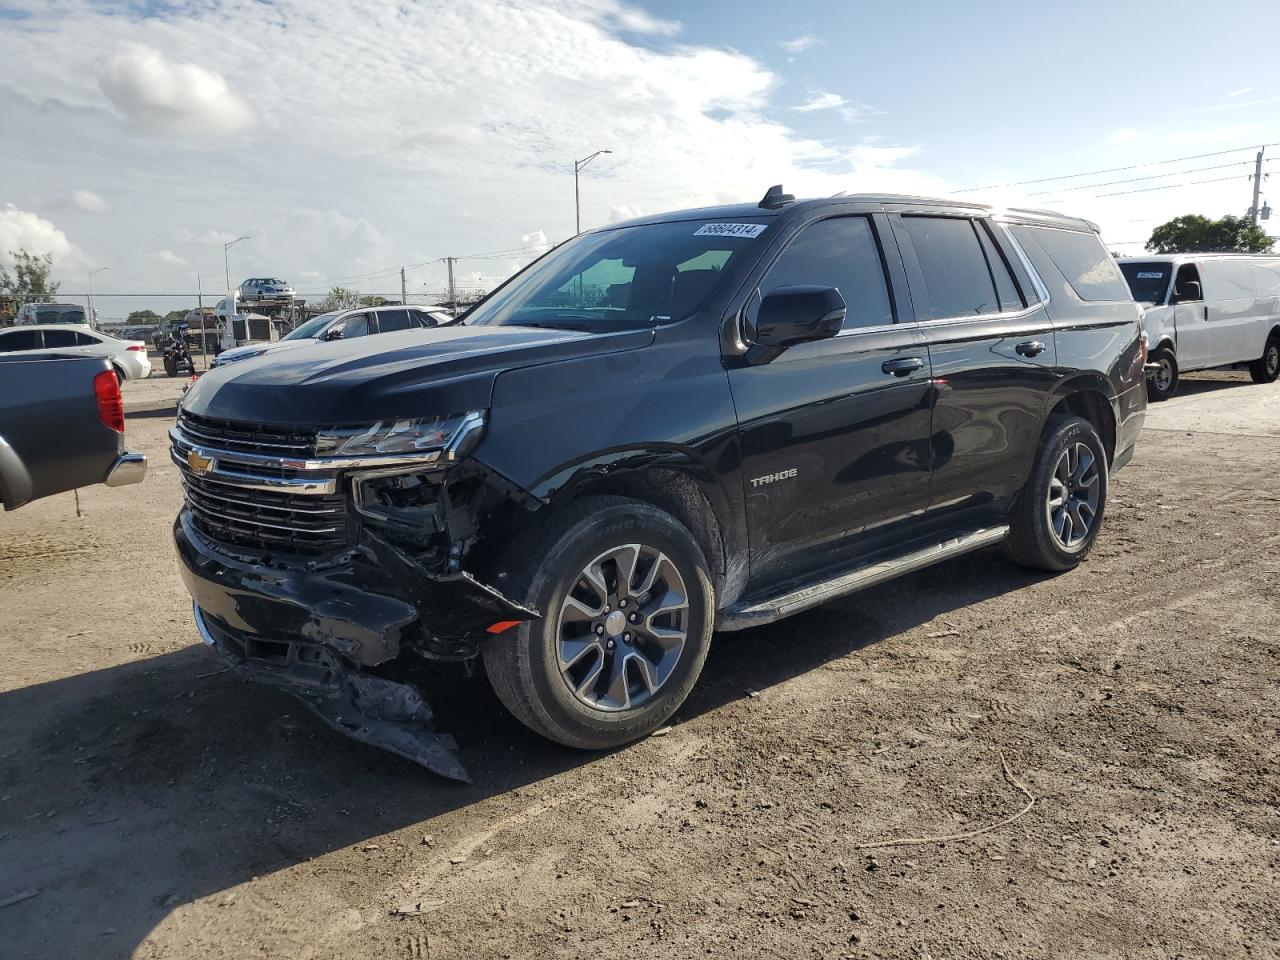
x: 1041, y: 290
x: 984, y: 317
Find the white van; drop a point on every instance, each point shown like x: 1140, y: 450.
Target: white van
x: 1207, y: 310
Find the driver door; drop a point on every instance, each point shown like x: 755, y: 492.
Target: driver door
x: 1190, y: 321
x: 835, y: 433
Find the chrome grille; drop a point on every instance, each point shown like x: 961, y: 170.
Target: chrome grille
x: 247, y: 437
x: 243, y: 488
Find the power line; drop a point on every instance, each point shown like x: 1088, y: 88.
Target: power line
x: 1168, y: 186
x: 1154, y: 176
x: 1095, y: 173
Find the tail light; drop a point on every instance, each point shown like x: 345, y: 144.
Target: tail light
x: 110, y: 404
x: 140, y: 348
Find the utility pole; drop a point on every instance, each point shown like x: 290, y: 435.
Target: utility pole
x: 453, y: 296
x: 577, y: 207
x: 404, y: 297
x: 1257, y: 186
x: 93, y: 321
x: 204, y: 331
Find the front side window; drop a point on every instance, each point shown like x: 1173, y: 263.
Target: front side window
x: 356, y: 325
x: 956, y: 275
x: 20, y: 340
x: 843, y: 253
x: 623, y: 279
x: 1148, y: 282
x: 312, y: 328
x: 1183, y: 292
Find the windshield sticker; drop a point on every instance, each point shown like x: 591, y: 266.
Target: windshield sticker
x: 1150, y: 276
x: 730, y: 230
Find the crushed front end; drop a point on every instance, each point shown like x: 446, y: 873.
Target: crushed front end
x: 317, y: 559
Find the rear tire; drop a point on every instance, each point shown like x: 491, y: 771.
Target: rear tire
x: 119, y: 376
x: 1267, y: 367
x: 171, y: 366
x: 1059, y: 512
x: 1163, y: 384
x: 602, y: 572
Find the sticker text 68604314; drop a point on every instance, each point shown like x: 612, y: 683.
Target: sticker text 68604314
x: 730, y: 230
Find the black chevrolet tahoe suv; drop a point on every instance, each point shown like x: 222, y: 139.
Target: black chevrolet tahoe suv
x: 694, y: 422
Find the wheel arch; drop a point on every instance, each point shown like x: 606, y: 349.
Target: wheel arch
x: 1090, y: 400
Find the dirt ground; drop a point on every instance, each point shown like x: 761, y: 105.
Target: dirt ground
x: 153, y: 807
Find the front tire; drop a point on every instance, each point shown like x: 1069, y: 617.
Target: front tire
x: 1163, y: 384
x: 1267, y: 367
x: 1059, y: 511
x: 628, y: 610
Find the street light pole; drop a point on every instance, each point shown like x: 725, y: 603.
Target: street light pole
x: 577, y: 207
x: 226, y: 263
x: 92, y: 318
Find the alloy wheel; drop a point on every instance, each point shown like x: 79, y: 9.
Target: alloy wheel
x: 1273, y: 358
x: 1163, y: 378
x: 622, y: 627
x: 1071, y: 504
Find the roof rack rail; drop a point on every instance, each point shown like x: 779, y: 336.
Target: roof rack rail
x: 775, y: 198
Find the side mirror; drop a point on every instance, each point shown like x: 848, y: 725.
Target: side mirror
x: 798, y: 314
x: 334, y: 334
x: 1189, y: 292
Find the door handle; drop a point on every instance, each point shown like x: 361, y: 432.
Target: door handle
x: 1030, y: 348
x: 901, y: 366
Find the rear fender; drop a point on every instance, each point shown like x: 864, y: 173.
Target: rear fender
x: 15, y: 482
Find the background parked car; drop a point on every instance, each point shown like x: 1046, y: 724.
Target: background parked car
x: 339, y: 325
x: 258, y: 289
x: 128, y: 357
x: 33, y: 313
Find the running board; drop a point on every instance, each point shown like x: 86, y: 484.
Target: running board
x: 767, y: 611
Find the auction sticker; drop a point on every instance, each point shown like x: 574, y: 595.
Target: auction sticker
x: 1150, y: 276
x: 730, y: 230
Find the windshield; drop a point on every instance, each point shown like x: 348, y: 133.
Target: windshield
x: 1147, y: 281
x: 63, y: 315
x: 312, y: 328
x: 622, y: 279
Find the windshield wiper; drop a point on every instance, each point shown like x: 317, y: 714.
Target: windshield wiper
x: 559, y: 324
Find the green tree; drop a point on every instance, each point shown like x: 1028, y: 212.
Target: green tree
x: 176, y: 315
x: 143, y: 316
x: 1196, y: 234
x: 29, y: 282
x: 339, y: 298
x: 374, y: 301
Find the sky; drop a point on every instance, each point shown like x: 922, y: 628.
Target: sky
x: 349, y: 138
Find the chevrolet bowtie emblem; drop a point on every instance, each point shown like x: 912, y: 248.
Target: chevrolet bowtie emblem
x: 197, y: 463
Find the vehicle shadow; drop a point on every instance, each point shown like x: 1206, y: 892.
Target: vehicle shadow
x: 129, y: 791
x: 1191, y: 385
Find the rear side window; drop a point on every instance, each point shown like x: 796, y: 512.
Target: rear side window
x: 390, y: 321
x: 20, y: 340
x: 1084, y: 261
x: 60, y: 338
x: 841, y: 253
x: 84, y: 340
x: 1006, y: 288
x: 956, y: 276
x: 421, y: 319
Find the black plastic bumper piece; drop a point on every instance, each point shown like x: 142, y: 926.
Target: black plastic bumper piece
x: 372, y: 709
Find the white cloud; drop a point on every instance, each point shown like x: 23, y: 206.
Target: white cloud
x: 1241, y: 92
x: 798, y: 45
x: 23, y: 230
x: 169, y: 258
x: 821, y: 101
x: 88, y: 201
x: 164, y: 97
x: 1124, y: 135
x: 625, y: 211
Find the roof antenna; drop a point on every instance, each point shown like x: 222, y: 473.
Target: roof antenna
x: 774, y: 198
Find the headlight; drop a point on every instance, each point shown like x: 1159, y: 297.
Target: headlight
x: 456, y: 434
x: 223, y: 360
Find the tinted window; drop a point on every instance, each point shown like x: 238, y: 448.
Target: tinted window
x: 60, y: 316
x: 421, y: 319
x: 1187, y: 273
x: 1010, y: 298
x: 1085, y: 262
x: 955, y: 270
x: 20, y: 340
x: 840, y: 253
x: 85, y: 340
x: 356, y: 325
x: 390, y: 321
x: 60, y: 338
x: 1148, y: 282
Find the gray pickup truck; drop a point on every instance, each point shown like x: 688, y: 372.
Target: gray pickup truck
x: 61, y: 427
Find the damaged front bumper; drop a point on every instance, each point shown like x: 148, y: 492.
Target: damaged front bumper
x: 316, y: 633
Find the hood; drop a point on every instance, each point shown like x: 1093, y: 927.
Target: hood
x: 416, y: 373
x: 256, y: 349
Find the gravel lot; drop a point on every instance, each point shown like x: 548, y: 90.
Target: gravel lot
x: 151, y: 806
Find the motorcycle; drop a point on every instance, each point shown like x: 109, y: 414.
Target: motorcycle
x: 177, y: 358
